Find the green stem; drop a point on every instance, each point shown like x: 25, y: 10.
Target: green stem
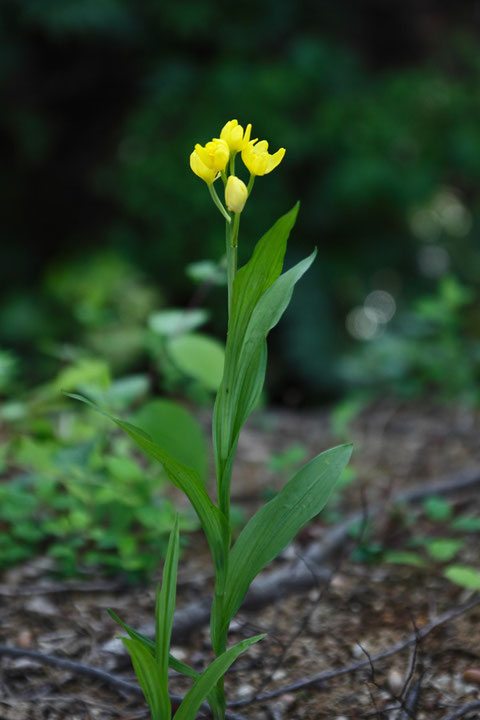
x: 235, y: 228
x: 231, y: 238
x: 218, y: 203
x: 250, y: 183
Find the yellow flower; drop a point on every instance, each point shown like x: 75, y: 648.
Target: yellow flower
x: 236, y: 194
x: 257, y: 158
x: 214, y: 155
x: 200, y: 169
x: 234, y: 136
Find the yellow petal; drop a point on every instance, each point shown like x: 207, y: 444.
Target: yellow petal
x: 227, y: 129
x: 200, y: 169
x: 261, y: 146
x: 246, y: 136
x: 203, y: 154
x: 274, y: 160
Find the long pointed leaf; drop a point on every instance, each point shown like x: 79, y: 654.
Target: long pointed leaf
x: 276, y: 523
x: 244, y: 375
x: 165, y: 605
x: 147, y: 672
x: 149, y: 644
x: 186, y: 479
x: 266, y: 314
x: 173, y: 663
x: 207, y: 680
x: 251, y: 281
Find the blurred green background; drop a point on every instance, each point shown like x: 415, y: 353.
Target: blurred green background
x: 377, y: 104
x: 111, y: 280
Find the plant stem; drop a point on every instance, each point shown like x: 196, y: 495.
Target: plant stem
x: 218, y: 203
x: 231, y: 238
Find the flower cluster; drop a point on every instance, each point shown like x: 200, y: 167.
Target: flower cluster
x: 210, y: 162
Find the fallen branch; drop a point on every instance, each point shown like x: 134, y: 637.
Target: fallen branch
x: 469, y: 707
x: 353, y: 667
x: 131, y: 688
x: 94, y: 673
x: 304, y: 573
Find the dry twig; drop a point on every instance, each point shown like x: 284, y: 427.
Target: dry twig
x: 464, y: 710
x: 95, y: 673
x: 353, y: 667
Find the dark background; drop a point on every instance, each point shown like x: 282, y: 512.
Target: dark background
x: 376, y: 101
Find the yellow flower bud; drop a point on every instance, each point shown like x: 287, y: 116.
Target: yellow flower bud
x: 214, y: 155
x: 234, y: 136
x: 257, y: 158
x: 200, y: 169
x: 236, y: 194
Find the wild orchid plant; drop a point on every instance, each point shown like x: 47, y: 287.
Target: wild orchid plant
x: 258, y: 294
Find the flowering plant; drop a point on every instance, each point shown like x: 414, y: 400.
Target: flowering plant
x: 258, y: 294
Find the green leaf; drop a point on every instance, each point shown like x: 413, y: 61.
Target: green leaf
x: 207, y: 271
x: 149, y: 644
x: 175, y: 664
x: 251, y: 281
x: 126, y: 390
x: 85, y: 373
x: 199, y: 357
x: 148, y: 675
x: 186, y: 479
x: 176, y: 322
x: 169, y: 424
x: 466, y: 523
x: 207, y: 680
x: 444, y: 550
x: 165, y: 604
x: 437, y: 509
x: 404, y: 558
x: 260, y: 297
x: 276, y: 523
x: 463, y: 575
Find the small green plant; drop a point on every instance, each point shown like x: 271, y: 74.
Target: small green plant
x: 76, y: 493
x: 189, y: 361
x: 258, y: 295
x: 425, y: 552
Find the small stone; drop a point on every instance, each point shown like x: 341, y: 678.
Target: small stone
x: 179, y: 653
x: 358, y: 650
x: 24, y: 639
x: 395, y: 681
x: 472, y: 675
x: 339, y: 582
x: 114, y: 646
x: 458, y: 685
x: 244, y: 691
x: 41, y: 606
x: 236, y: 625
x: 279, y: 674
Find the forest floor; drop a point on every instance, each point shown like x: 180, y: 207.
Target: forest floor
x: 355, y: 605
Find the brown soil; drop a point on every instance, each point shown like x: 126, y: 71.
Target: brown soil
x: 364, y: 608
